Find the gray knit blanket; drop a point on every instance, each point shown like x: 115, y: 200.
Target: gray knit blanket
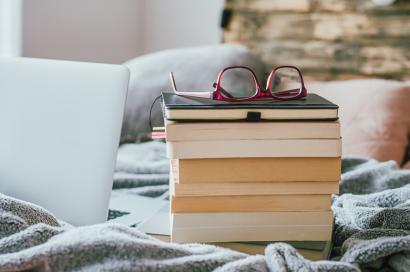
x: 372, y: 228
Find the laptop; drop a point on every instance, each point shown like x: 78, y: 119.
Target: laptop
x: 60, y: 129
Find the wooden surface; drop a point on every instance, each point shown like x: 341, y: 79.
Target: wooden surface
x: 328, y: 39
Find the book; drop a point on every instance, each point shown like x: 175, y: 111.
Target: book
x: 254, y: 148
x: 251, y: 188
x: 158, y: 226
x: 257, y: 203
x: 320, y: 250
x: 253, y: 248
x: 207, y: 131
x: 312, y: 107
x: 250, y: 233
x: 250, y: 219
x: 226, y: 170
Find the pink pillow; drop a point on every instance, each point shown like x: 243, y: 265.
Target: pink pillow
x: 374, y: 116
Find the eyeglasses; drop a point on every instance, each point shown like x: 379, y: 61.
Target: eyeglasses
x: 239, y: 83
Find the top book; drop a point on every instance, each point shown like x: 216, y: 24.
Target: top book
x: 312, y: 107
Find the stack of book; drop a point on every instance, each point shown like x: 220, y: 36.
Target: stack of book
x: 252, y: 171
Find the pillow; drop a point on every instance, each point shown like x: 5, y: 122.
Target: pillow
x: 374, y: 116
x: 195, y: 69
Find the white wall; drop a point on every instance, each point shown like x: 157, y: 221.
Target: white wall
x: 89, y: 30
x: 114, y: 31
x: 181, y: 23
x: 10, y: 27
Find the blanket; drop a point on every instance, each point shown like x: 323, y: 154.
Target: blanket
x: 372, y: 228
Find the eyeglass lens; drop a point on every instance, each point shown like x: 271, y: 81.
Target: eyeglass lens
x: 239, y: 83
x: 286, y: 83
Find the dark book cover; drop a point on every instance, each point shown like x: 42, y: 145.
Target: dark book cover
x: 311, y: 101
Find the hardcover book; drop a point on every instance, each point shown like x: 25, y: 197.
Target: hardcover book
x: 250, y: 188
x: 256, y: 170
x: 254, y: 203
x: 159, y: 226
x: 312, y: 107
x: 207, y: 131
x: 254, y: 148
x: 251, y: 233
x: 256, y: 219
x: 312, y: 250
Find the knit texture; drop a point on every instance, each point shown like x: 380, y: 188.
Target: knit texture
x: 372, y: 228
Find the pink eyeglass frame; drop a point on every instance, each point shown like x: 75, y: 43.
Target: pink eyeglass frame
x: 222, y: 95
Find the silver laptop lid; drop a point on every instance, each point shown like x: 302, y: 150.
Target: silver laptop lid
x: 60, y: 126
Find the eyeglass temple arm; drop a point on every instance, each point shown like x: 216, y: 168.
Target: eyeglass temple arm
x: 222, y: 90
x: 194, y: 94
x: 174, y: 85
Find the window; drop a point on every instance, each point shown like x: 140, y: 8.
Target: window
x: 10, y: 27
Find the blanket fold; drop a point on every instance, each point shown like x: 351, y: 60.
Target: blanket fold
x: 372, y: 228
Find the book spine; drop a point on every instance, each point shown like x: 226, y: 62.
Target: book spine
x: 251, y: 188
x: 252, y: 148
x: 260, y: 203
x: 237, y: 219
x: 256, y: 131
x: 256, y: 170
x: 231, y: 234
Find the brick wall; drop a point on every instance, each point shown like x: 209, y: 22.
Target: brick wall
x: 328, y: 39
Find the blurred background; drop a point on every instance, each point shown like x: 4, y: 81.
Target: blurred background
x: 105, y: 30
x: 329, y: 39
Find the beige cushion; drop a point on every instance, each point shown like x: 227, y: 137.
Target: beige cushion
x: 374, y: 115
